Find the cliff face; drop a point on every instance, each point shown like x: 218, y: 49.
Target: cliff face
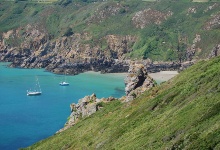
x: 37, y: 50
x: 78, y: 37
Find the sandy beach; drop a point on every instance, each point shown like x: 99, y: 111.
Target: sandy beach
x: 158, y: 76
x: 163, y: 75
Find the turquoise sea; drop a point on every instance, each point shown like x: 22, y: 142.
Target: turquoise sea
x: 25, y: 120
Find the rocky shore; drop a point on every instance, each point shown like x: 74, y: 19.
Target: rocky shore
x: 137, y: 81
x: 85, y: 107
x: 75, y: 54
x: 37, y: 49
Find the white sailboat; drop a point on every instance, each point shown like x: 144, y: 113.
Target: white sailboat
x: 37, y: 90
x: 64, y: 83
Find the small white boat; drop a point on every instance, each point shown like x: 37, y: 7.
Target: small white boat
x: 35, y: 92
x: 64, y: 83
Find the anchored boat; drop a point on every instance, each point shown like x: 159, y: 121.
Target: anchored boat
x: 37, y: 90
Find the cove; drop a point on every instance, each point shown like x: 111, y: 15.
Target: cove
x: 28, y: 119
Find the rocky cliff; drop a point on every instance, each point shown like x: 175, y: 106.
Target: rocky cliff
x: 37, y: 50
x: 102, y: 38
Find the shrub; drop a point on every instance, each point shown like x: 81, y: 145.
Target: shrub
x: 68, y: 32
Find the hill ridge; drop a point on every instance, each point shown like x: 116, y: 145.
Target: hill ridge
x: 160, y: 31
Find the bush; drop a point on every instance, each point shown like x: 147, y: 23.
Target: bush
x: 68, y: 32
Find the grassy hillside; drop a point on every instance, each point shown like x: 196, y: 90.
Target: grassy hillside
x: 165, y: 41
x: 182, y: 113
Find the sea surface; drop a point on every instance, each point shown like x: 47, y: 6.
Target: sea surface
x: 25, y: 120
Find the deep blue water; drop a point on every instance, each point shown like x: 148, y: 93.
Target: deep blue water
x: 25, y: 120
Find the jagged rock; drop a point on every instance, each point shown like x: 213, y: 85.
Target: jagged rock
x: 190, y: 52
x: 215, y: 51
x: 85, y: 107
x: 186, y: 64
x: 109, y: 99
x: 137, y: 81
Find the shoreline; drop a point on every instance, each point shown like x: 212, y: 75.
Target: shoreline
x: 120, y: 74
x: 158, y: 76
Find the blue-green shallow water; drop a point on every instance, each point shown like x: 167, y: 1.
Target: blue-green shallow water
x: 25, y: 120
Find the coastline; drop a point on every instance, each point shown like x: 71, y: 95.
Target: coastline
x: 51, y: 109
x: 124, y: 74
x: 158, y: 76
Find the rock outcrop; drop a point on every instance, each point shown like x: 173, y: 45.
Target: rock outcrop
x: 215, y: 51
x: 149, y: 16
x: 213, y: 22
x: 186, y: 64
x: 191, y: 10
x: 106, y: 11
x: 137, y: 81
x: 211, y: 7
x: 191, y: 50
x: 85, y: 107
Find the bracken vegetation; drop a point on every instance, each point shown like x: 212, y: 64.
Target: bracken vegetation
x: 182, y: 113
x: 166, y: 38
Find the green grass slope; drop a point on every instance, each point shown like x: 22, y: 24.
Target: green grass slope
x: 182, y: 113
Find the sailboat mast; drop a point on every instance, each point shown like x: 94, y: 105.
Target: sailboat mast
x: 38, y: 84
x: 65, y: 76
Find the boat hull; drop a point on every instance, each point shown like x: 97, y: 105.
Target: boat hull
x: 33, y: 93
